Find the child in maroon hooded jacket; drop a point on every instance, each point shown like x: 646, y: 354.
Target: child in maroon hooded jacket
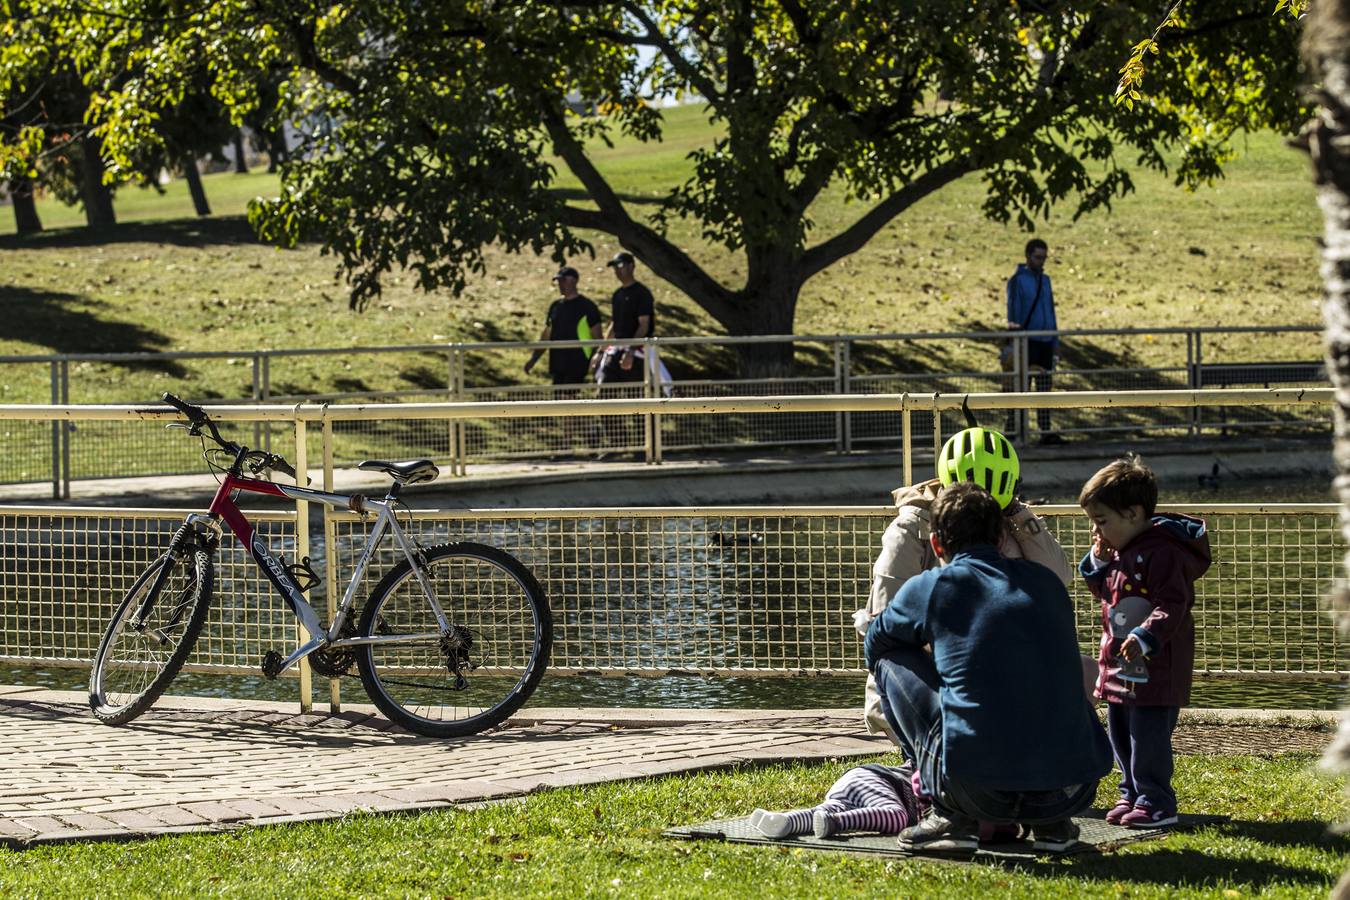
x: 1143, y: 567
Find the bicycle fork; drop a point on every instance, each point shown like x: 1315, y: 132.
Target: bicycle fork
x: 190, y: 536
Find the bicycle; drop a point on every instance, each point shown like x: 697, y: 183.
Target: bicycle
x: 451, y: 641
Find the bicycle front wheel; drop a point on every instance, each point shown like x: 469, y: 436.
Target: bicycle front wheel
x: 480, y: 668
x: 150, y: 636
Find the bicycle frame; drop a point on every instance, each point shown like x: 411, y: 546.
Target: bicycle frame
x: 223, y: 507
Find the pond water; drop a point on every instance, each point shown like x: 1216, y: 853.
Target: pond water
x: 690, y: 692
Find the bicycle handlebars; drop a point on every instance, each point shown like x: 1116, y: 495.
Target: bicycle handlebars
x: 199, y: 419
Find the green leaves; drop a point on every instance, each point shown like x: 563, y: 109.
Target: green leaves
x: 426, y: 130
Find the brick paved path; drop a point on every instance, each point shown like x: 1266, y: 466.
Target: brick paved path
x: 209, y: 765
x: 222, y: 764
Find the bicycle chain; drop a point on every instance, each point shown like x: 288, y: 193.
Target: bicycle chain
x: 334, y: 662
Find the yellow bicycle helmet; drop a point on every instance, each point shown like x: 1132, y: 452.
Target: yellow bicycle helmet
x: 981, y: 456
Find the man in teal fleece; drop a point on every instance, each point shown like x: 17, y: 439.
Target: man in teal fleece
x: 995, y: 718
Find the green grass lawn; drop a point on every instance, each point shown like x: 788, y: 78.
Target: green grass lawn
x: 1240, y: 253
x: 605, y: 841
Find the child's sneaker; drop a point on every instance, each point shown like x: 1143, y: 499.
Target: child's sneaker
x: 1149, y: 817
x: 1122, y: 809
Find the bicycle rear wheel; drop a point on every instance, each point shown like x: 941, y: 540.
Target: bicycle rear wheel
x: 136, y: 660
x: 499, y: 637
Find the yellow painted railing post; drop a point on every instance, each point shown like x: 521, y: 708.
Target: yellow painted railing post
x: 461, y: 425
x: 906, y: 439
x: 301, y: 551
x: 330, y: 570
x: 937, y: 430
x: 452, y: 425
x: 650, y: 388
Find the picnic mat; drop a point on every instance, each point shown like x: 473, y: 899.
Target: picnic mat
x: 1096, y: 836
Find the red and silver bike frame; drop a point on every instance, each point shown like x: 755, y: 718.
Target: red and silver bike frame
x: 223, y: 508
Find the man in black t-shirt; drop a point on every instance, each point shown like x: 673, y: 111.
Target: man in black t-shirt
x: 633, y: 317
x: 572, y: 317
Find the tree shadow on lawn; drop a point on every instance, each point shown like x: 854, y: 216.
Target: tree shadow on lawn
x: 1206, y: 867
x: 189, y: 232
x: 577, y: 195
x: 69, y: 323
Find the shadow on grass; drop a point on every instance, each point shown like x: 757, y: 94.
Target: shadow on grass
x: 1205, y: 867
x: 193, y: 232
x: 71, y: 323
x: 576, y: 195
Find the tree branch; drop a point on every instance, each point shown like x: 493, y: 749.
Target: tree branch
x: 303, y: 35
x: 701, y: 83
x: 566, y: 145
x: 662, y: 257
x: 860, y: 232
x: 1177, y: 35
x: 801, y: 22
x: 659, y: 254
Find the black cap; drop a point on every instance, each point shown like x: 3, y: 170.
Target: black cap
x: 622, y: 258
x: 565, y: 271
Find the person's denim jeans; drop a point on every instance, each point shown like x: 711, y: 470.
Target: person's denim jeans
x: 908, y: 683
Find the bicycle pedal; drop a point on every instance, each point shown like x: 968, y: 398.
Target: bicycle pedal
x: 271, y: 664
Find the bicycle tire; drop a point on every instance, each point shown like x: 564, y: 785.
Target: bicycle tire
x: 134, y: 666
x: 495, y: 601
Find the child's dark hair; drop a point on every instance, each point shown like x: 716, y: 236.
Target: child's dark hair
x: 965, y: 515
x: 1124, y: 483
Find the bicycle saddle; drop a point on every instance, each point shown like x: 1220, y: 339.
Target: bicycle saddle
x: 414, y: 471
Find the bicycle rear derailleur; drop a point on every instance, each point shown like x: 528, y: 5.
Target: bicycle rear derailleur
x: 455, y: 644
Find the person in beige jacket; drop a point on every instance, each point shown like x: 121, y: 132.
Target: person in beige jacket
x: 906, y: 551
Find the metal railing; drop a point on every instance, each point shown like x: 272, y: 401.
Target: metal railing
x: 743, y: 590
x: 1103, y: 359
x: 730, y: 591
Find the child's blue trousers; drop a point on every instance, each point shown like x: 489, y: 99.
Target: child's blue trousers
x: 1141, y: 738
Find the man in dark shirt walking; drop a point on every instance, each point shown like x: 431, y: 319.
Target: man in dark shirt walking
x: 633, y: 317
x: 572, y: 317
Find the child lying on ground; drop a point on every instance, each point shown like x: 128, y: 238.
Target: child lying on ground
x: 873, y: 798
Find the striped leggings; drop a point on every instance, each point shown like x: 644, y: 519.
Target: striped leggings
x: 861, y: 800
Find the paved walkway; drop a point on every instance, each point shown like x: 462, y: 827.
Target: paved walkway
x: 196, y: 764
x: 211, y: 765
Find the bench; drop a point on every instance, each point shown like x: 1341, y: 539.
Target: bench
x: 1265, y: 374
x: 1251, y: 374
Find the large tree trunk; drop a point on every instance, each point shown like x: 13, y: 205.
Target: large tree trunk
x: 767, y: 305
x: 98, y: 207
x: 1327, y: 53
x: 194, y: 182
x: 240, y: 166
x: 26, y: 219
